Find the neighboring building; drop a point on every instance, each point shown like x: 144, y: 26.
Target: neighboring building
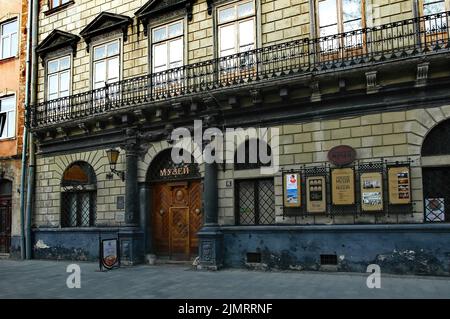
x: 13, y: 20
x: 362, y: 73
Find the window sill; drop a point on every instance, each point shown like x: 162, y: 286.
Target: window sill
x: 58, y: 8
x: 7, y: 139
x: 4, y: 60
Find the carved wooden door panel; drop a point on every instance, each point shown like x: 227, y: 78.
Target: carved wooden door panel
x: 162, y: 199
x: 176, y: 219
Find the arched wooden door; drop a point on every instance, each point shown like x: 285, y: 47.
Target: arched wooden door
x: 176, y: 219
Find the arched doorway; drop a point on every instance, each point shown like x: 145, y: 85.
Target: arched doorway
x: 5, y: 215
x: 176, y: 208
x: 436, y: 173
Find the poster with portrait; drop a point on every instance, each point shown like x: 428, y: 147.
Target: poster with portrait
x: 316, y: 194
x: 372, y: 191
x: 292, y: 191
x: 343, y: 186
x: 399, y: 185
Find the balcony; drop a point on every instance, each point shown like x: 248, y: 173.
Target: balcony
x: 417, y: 37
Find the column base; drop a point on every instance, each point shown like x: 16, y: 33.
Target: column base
x: 131, y: 246
x: 210, y: 248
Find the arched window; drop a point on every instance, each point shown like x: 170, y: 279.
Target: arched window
x: 436, y: 173
x: 252, y: 155
x: 78, y: 198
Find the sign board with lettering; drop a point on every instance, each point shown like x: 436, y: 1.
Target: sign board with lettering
x: 292, y: 190
x: 372, y: 191
x: 316, y: 194
x: 343, y: 186
x: 109, y: 254
x: 342, y: 155
x: 399, y: 185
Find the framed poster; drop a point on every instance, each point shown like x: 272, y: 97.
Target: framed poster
x: 399, y: 185
x: 343, y: 186
x: 372, y: 191
x: 292, y: 191
x: 109, y: 253
x: 316, y: 194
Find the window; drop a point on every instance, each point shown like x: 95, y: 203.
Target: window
x: 255, y: 202
x: 433, y: 6
x: 9, y: 43
x: 57, y: 3
x: 106, y: 64
x: 339, y: 16
x: 58, y: 78
x: 236, y: 28
x: 78, y: 198
x: 7, y: 117
x: 167, y: 46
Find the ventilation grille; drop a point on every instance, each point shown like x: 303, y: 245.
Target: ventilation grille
x: 253, y: 257
x: 328, y: 259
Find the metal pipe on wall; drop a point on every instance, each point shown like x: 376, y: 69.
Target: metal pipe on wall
x: 32, y: 158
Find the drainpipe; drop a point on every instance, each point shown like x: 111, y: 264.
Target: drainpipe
x: 32, y: 158
x: 25, y: 135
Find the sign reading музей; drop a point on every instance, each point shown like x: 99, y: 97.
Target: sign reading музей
x: 174, y: 171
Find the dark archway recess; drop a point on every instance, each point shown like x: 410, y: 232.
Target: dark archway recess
x: 437, y: 142
x: 163, y: 168
x: 247, y: 164
x: 436, y: 180
x: 5, y: 215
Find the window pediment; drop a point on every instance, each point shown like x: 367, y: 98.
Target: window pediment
x: 106, y: 22
x: 155, y: 8
x: 57, y: 39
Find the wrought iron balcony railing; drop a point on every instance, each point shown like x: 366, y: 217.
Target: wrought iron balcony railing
x: 396, y: 40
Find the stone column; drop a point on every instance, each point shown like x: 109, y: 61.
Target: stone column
x: 131, y: 184
x: 210, y: 236
x: 131, y: 235
x: 145, y: 216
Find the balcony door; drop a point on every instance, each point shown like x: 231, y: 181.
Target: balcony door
x: 336, y: 19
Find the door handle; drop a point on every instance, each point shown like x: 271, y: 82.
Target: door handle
x: 161, y: 211
x: 197, y: 211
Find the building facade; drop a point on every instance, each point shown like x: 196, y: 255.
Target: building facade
x: 353, y: 92
x: 13, y: 19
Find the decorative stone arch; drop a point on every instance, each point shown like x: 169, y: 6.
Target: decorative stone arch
x: 435, y: 160
x: 155, y: 149
x: 96, y: 159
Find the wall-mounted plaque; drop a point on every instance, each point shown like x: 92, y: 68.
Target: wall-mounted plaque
x: 372, y: 191
x: 342, y: 155
x: 292, y: 190
x: 343, y: 186
x: 399, y: 185
x: 316, y: 194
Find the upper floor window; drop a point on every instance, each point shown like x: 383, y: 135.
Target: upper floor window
x: 106, y: 68
x: 236, y: 25
x: 57, y: 3
x: 7, y: 117
x: 9, y: 43
x: 167, y: 46
x: 433, y: 6
x: 338, y: 16
x: 58, y: 78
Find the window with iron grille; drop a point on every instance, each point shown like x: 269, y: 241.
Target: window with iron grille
x: 255, y: 202
x: 78, y: 198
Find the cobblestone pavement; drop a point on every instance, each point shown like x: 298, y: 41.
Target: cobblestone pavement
x: 47, y: 279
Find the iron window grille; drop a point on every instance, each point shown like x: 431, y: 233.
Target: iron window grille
x: 79, y: 196
x: 255, y: 202
x: 436, y: 188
